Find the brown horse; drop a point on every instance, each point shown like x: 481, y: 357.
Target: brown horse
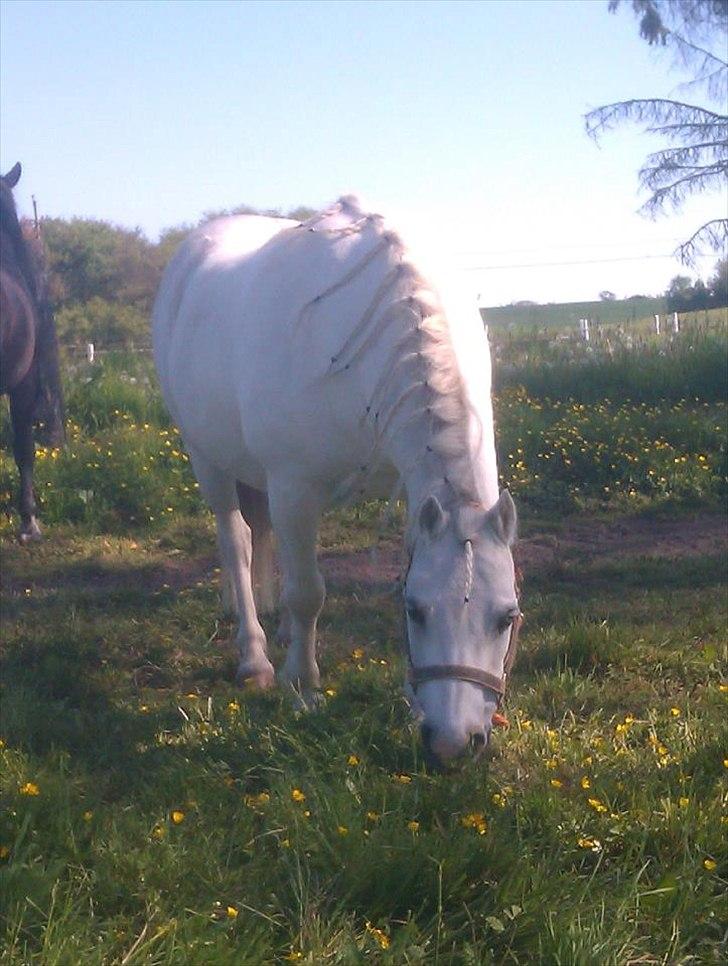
x: 29, y: 372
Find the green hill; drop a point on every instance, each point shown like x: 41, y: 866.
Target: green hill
x: 564, y: 313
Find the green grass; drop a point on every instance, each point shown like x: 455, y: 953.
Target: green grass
x: 117, y: 707
x: 148, y: 807
x: 626, y: 364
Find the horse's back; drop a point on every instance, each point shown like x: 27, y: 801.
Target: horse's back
x: 203, y: 325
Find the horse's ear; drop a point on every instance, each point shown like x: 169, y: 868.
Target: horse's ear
x: 432, y: 517
x: 503, y: 519
x: 13, y: 175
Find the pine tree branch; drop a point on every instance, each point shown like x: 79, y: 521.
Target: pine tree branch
x: 713, y: 233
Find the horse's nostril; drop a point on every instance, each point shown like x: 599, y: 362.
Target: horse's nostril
x: 477, y: 741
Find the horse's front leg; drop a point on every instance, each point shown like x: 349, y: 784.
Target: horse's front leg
x: 235, y: 541
x: 21, y: 415
x: 295, y: 513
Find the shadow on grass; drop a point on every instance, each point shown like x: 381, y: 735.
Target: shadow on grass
x: 584, y: 581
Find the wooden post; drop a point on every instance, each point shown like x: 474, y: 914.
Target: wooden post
x: 675, y: 323
x: 90, y: 351
x: 584, y: 329
x: 36, y: 225
x: 657, y: 324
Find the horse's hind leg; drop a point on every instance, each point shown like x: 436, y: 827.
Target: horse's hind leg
x: 235, y: 541
x: 22, y: 401
x: 295, y: 510
x: 254, y: 507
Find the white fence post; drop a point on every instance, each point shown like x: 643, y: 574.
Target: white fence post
x: 90, y: 351
x: 584, y: 329
x: 657, y: 324
x: 675, y: 323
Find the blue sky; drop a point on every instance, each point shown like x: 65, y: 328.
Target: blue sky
x: 461, y: 120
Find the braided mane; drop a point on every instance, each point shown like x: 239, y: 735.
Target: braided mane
x: 421, y: 382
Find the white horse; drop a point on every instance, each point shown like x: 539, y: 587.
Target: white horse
x: 308, y: 362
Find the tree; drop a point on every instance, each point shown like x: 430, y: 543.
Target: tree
x: 93, y: 258
x: 696, y: 159
x: 719, y: 283
x: 607, y: 296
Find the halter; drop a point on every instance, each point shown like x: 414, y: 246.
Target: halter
x: 464, y: 672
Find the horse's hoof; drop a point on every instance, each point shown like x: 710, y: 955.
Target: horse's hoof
x: 30, y: 534
x: 304, y: 699
x: 255, y: 679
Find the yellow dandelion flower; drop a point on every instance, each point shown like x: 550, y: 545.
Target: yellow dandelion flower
x: 413, y: 826
x: 233, y: 707
x: 4, y: 852
x: 297, y: 795
x: 723, y: 688
x: 293, y: 956
x: 585, y: 783
x: 342, y: 830
x: 381, y: 937
x: 352, y: 760
x: 675, y: 712
x: 2, y: 744
x: 358, y: 653
x: 232, y: 912
x: 261, y: 799
x: 372, y: 816
x: 177, y: 816
x: 556, y: 783
x: 588, y: 843
x: 597, y: 805
x: 475, y: 820
x: 710, y: 865
x: 402, y: 779
x: 499, y: 800
x: 29, y: 788
x: 331, y: 692
x: 683, y: 801
x: 158, y: 832
x: 725, y: 762
x: 286, y: 843
x: 88, y: 815
x: 551, y: 763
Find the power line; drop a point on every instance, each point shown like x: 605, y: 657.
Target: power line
x: 589, y: 261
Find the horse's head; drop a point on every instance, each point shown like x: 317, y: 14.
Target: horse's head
x: 462, y: 615
x: 7, y: 183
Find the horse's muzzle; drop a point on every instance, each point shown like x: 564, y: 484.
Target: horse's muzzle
x: 444, y: 747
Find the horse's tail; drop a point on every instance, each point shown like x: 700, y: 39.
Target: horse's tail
x: 49, y: 409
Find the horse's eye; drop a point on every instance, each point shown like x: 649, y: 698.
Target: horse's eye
x: 506, y: 620
x: 415, y: 613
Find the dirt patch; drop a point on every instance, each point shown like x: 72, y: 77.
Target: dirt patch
x: 377, y: 569
x: 702, y: 535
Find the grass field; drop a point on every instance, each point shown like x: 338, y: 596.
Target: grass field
x: 152, y: 813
